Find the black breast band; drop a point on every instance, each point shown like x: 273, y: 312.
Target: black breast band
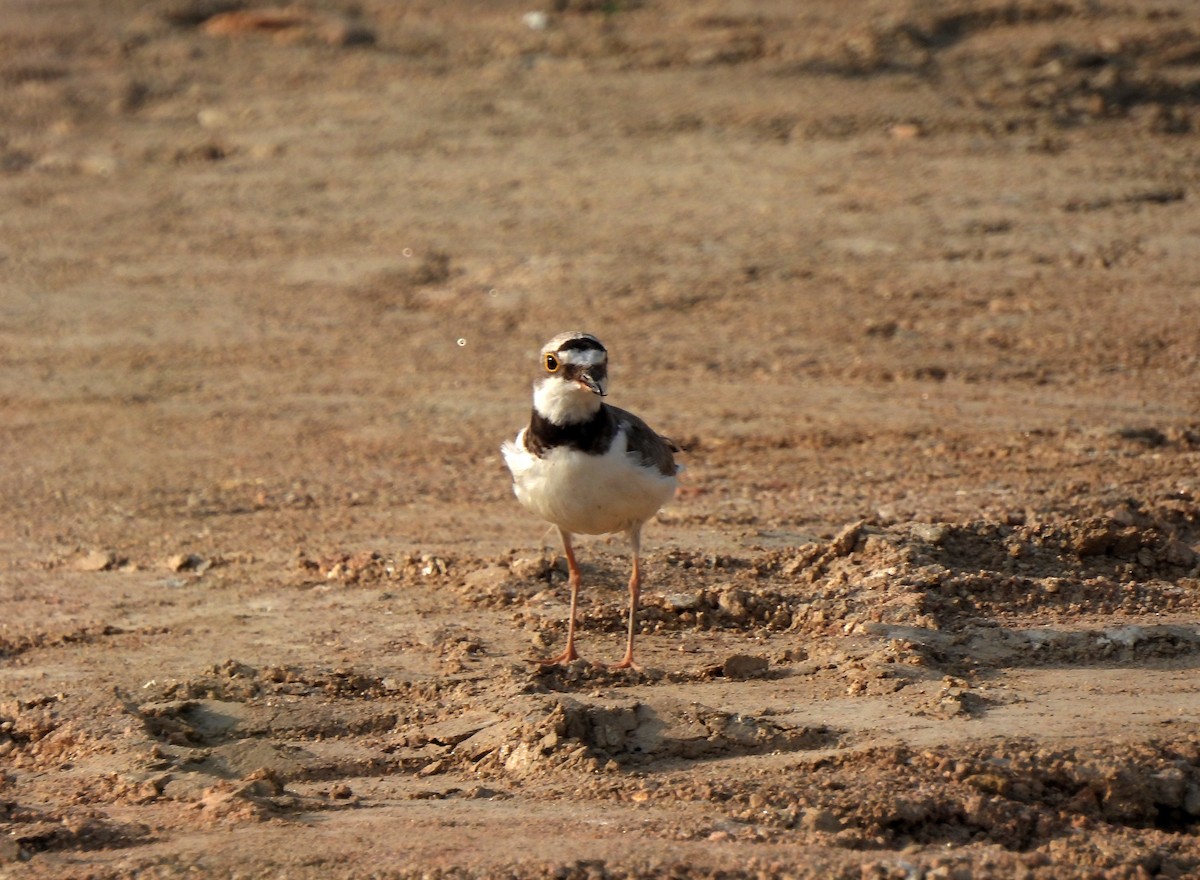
x: 593, y: 436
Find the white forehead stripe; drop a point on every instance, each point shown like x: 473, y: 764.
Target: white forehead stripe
x: 583, y: 357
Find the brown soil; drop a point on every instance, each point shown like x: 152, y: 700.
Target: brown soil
x: 915, y: 284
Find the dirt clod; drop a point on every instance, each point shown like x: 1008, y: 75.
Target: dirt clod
x: 740, y: 666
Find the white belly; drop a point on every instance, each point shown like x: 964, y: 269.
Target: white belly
x: 587, y: 494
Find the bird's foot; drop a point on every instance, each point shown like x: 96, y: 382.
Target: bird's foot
x: 625, y: 662
x: 567, y: 656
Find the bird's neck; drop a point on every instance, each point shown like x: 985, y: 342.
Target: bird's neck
x: 564, y: 404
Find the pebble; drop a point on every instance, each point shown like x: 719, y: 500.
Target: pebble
x: 685, y: 601
x: 536, y: 20
x: 210, y: 117
x: 187, y: 562
x: 931, y: 533
x: 905, y: 131
x: 733, y: 603
x: 97, y: 560
x: 821, y: 820
x: 482, y: 792
x: 531, y: 567
x: 742, y: 666
x: 432, y: 768
x: 844, y: 541
x: 260, y: 21
x: 432, y: 565
x: 1179, y: 553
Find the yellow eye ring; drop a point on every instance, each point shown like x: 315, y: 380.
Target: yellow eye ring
x: 551, y: 364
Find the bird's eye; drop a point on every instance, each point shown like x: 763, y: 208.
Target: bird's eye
x: 551, y: 363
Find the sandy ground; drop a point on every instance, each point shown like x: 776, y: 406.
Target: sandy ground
x: 915, y: 284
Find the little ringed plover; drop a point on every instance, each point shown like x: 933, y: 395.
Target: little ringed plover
x: 587, y: 467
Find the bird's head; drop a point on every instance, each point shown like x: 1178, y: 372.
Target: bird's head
x: 572, y: 376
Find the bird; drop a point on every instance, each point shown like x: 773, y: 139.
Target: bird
x: 588, y: 467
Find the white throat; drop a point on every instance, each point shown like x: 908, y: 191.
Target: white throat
x: 564, y: 403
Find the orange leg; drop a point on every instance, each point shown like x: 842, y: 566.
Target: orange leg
x: 635, y: 591
x: 573, y: 579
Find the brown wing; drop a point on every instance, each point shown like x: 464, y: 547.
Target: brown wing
x: 651, y: 448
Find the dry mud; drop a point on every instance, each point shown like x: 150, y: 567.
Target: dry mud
x: 914, y: 284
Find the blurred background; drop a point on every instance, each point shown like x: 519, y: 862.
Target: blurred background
x: 267, y: 258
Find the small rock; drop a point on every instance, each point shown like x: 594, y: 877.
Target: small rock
x: 741, y: 666
x: 976, y: 809
x: 1179, y: 553
x: 490, y: 739
x: 258, y: 21
x: 845, y: 541
x: 953, y: 704
x: 685, y: 601
x: 805, y: 556
x: 931, y: 533
x: 905, y: 131
x: 261, y: 783
x: 187, y: 562
x: 150, y: 789
x: 733, y: 603
x: 992, y: 783
x: 821, y: 820
x: 210, y: 117
x: 522, y: 758
x: 97, y: 560
x: 453, y: 731
x: 1122, y: 516
x: 531, y: 567
x: 536, y: 20
x: 1093, y: 542
x: 883, y: 329
x: 433, y: 565
x: 432, y: 768
x: 482, y: 792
